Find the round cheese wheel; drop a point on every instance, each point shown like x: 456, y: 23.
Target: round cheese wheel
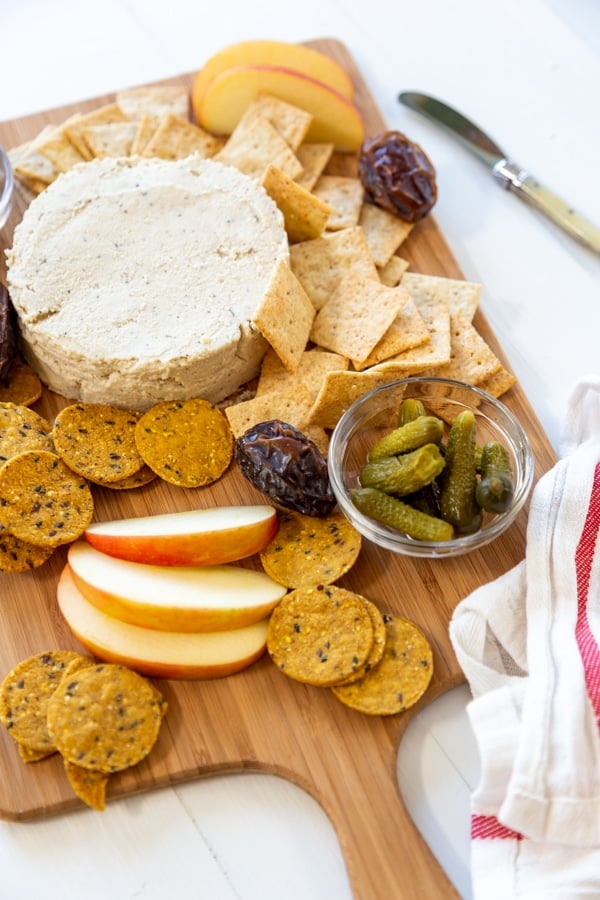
x: 136, y: 280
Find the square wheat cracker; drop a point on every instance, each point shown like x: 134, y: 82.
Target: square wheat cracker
x: 176, y: 138
x: 305, y: 215
x: 146, y: 126
x: 435, y: 352
x: 253, y: 146
x: 291, y: 122
x: 408, y: 330
x: 339, y: 391
x: 154, y: 100
x: 391, y: 274
x: 459, y: 295
x: 344, y: 196
x: 110, y: 138
x: 356, y: 316
x: 472, y: 360
x: 293, y: 409
x: 313, y: 366
x: 285, y: 316
x: 313, y: 157
x: 57, y: 147
x: 75, y: 126
x: 384, y: 231
x: 321, y: 263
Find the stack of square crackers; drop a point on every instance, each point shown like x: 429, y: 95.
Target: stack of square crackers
x: 346, y: 314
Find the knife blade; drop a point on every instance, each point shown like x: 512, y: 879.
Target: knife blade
x: 505, y: 170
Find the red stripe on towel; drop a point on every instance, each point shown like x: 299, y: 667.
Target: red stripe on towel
x: 584, y: 555
x: 483, y: 827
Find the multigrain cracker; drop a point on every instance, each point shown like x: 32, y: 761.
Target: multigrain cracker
x: 105, y: 717
x: 89, y: 785
x: 24, y: 696
x: 308, y: 551
x: 22, y: 386
x: 356, y: 316
x: 187, y: 442
x: 22, y: 429
x: 98, y: 441
x: 320, y: 264
x: 304, y: 215
x: 21, y: 556
x: 399, y: 679
x: 139, y: 479
x: 285, y: 315
x: 320, y: 635
x: 379, y: 642
x: 43, y: 501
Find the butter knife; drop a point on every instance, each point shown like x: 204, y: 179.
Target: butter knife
x: 505, y: 170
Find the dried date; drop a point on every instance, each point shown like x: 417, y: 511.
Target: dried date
x: 287, y: 466
x: 8, y: 335
x: 397, y: 175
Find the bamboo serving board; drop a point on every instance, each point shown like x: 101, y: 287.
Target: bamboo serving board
x: 259, y: 720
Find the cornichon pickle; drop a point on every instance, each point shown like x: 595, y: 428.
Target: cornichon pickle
x: 423, y: 430
x: 403, y: 474
x: 396, y: 514
x: 410, y: 409
x: 458, y: 483
x: 495, y: 490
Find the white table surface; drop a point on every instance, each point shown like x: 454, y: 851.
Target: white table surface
x: 527, y: 70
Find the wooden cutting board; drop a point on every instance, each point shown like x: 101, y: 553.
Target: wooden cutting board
x: 259, y: 720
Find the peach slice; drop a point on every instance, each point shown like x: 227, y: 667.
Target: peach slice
x: 158, y: 654
x: 198, y: 537
x: 272, y: 53
x: 336, y: 119
x: 173, y: 598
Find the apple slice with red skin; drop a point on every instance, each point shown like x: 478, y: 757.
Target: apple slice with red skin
x: 335, y: 118
x: 173, y: 598
x: 273, y: 53
x: 158, y: 654
x: 198, y: 537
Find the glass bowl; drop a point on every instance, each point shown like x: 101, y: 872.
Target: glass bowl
x: 376, y: 414
x: 6, y: 187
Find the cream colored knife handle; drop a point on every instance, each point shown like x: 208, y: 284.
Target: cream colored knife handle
x: 512, y: 177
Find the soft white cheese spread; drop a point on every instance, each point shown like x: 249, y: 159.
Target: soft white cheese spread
x: 136, y: 280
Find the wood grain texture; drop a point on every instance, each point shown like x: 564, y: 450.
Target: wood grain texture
x: 259, y: 720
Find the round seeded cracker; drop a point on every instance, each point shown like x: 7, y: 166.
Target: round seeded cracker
x: 188, y: 442
x: 22, y: 429
x: 379, y: 641
x: 399, y: 679
x: 23, y: 386
x: 321, y: 635
x: 308, y: 551
x: 42, y: 500
x: 105, y: 717
x: 98, y: 441
x: 21, y: 556
x: 24, y: 696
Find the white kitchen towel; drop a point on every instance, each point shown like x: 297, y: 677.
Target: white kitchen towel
x: 528, y: 644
